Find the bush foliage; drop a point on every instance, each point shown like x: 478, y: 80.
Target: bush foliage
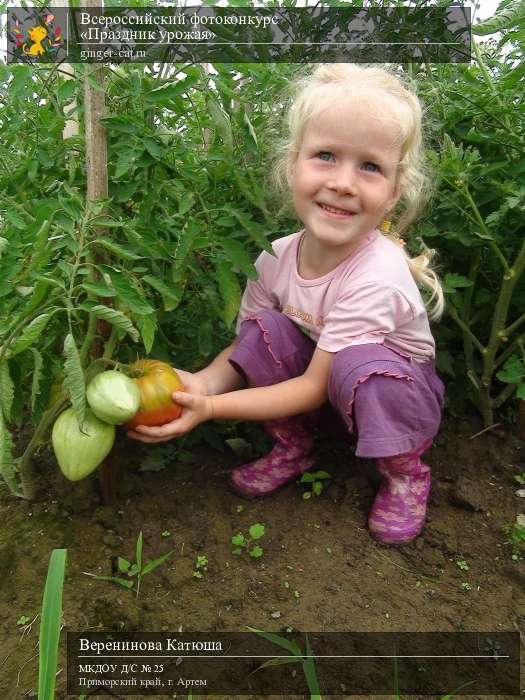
x: 158, y: 268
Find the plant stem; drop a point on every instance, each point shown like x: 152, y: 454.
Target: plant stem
x: 467, y: 306
x: 499, y: 320
x: 466, y: 330
x: 490, y: 84
x: 504, y: 395
x: 25, y: 466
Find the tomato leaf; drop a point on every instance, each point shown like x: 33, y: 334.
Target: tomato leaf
x: 119, y: 250
x: 147, y: 327
x: 236, y: 252
x: 170, y: 296
x: 116, y: 318
x: 30, y: 334
x: 7, y: 390
x: 74, y: 381
x: 220, y: 121
x: 230, y: 292
x: 129, y: 294
x: 99, y: 289
x: 7, y: 463
x: 37, y: 377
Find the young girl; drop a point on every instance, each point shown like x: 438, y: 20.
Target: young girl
x: 336, y: 313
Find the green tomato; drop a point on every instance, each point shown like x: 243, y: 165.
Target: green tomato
x: 79, y: 452
x: 113, y: 397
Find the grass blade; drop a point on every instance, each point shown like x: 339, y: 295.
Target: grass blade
x: 50, y: 624
x: 292, y: 647
x: 310, y: 673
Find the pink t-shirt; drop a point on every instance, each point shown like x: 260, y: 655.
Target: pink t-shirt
x: 370, y: 297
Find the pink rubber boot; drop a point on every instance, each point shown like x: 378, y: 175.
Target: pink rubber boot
x: 399, y: 510
x: 291, y: 455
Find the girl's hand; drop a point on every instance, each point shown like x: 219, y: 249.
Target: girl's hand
x: 192, y: 383
x: 196, y: 409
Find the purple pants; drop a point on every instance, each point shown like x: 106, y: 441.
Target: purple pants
x: 388, y: 401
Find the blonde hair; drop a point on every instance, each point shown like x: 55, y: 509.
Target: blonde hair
x: 328, y: 83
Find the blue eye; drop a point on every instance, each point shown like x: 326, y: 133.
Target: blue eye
x: 371, y: 167
x: 325, y: 155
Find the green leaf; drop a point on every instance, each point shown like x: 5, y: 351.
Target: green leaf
x: 321, y: 474
x: 256, y: 531
x: 230, y: 292
x: 7, y: 390
x: 249, y: 125
x: 120, y: 124
x: 454, y: 281
x: 253, y: 229
x: 513, y: 371
x: 186, y: 202
x: 41, y: 251
x: 93, y: 82
x: 238, y: 540
x: 165, y: 94
x: 106, y: 222
x: 317, y: 487
x: 50, y: 623
x: 123, y: 564
x: 74, y: 381
x: 117, y: 249
x: 7, y: 462
x: 184, y: 245
x: 220, y: 121
x: 291, y: 647
x: 147, y: 327
x: 125, y: 162
x: 520, y: 392
x: 238, y: 256
x: 138, y: 551
x: 37, y: 377
x: 129, y: 294
x: 205, y: 338
x: 67, y: 90
x: 170, y: 296
x: 116, y: 318
x: 154, y: 148
x: 115, y: 579
x: 152, y: 565
x: 30, y: 334
x: 506, y: 18
x: 256, y: 552
x: 99, y: 289
x: 310, y: 672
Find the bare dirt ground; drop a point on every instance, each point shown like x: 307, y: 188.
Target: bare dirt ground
x: 320, y: 570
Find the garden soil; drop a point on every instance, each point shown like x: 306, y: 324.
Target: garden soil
x: 319, y: 571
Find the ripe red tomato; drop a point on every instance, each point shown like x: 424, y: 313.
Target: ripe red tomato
x: 157, y: 381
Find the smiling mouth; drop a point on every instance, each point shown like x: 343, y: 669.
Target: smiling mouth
x: 335, y: 210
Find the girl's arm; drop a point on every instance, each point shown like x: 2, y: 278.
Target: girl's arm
x: 289, y: 398
x: 292, y: 397
x: 219, y: 376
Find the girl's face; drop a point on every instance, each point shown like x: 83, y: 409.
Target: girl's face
x: 344, y: 179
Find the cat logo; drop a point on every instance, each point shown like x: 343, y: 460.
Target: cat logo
x: 41, y: 39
